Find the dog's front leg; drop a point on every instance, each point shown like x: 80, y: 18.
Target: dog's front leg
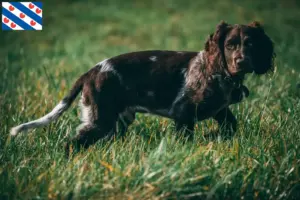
x: 239, y: 94
x: 227, y: 122
x: 186, y: 127
x: 183, y: 112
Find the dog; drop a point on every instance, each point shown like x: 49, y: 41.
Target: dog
x: 184, y: 86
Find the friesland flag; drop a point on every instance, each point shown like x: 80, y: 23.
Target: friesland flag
x: 22, y: 15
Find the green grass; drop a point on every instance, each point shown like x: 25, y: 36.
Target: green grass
x: 38, y: 68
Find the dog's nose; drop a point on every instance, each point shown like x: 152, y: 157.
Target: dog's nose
x: 244, y: 64
x: 240, y: 61
x: 238, y: 58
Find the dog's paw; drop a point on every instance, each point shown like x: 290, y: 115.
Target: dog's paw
x: 239, y: 94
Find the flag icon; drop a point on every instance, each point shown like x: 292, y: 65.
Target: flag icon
x: 22, y: 15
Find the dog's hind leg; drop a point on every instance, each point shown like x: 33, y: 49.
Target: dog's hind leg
x: 100, y: 109
x: 125, y: 119
x: 227, y: 122
x: 101, y: 125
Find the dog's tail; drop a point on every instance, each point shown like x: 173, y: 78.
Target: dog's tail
x: 57, y: 111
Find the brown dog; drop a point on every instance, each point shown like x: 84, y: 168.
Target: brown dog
x: 184, y: 86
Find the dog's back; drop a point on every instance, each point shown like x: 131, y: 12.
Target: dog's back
x: 145, y: 79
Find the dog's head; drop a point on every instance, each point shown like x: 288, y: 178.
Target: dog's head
x: 240, y: 49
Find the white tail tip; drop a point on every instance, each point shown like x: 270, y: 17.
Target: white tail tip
x: 15, y: 130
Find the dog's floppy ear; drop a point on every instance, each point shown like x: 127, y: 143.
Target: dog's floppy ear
x: 215, y: 39
x: 264, y: 49
x: 214, y: 45
x: 255, y: 24
x: 221, y: 31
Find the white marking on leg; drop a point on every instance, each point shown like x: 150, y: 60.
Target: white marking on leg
x: 86, y: 115
x: 86, y: 112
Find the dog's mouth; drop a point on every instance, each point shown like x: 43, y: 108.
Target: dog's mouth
x: 240, y: 72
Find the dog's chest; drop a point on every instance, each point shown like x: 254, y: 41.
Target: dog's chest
x: 214, y: 97
x: 212, y: 105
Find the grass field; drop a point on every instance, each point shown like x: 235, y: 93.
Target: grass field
x: 38, y: 68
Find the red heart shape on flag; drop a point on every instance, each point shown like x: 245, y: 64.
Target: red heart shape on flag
x: 31, y: 6
x: 11, y: 8
x: 5, y: 20
x: 13, y: 25
x: 32, y: 23
x: 38, y: 11
x: 22, y: 15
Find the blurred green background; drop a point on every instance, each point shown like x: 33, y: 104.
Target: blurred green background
x: 37, y: 68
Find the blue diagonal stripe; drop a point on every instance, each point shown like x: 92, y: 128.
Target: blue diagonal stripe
x: 16, y: 20
x: 6, y: 28
x: 27, y: 12
x: 38, y: 4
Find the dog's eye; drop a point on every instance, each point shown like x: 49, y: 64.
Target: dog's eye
x: 229, y: 46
